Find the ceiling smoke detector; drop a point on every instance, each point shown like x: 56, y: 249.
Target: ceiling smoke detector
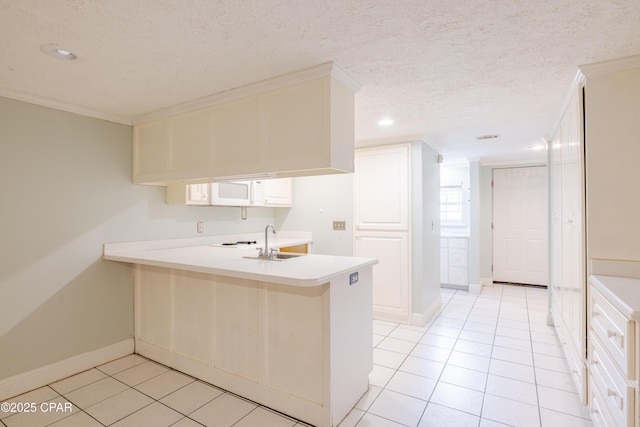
x: 491, y: 136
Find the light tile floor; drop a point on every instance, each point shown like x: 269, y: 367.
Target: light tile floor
x: 485, y: 360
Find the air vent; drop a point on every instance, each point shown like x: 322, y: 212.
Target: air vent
x: 483, y: 137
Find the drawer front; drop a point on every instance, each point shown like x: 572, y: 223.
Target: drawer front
x: 458, y: 276
x: 599, y: 414
x: 615, y: 391
x: 615, y: 331
x: 458, y: 243
x: 458, y: 258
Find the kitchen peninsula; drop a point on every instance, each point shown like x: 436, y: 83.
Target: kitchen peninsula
x: 294, y: 335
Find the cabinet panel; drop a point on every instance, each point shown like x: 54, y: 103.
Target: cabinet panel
x: 458, y: 276
x: 288, y: 360
x: 237, y: 327
x: 153, y: 304
x: 296, y: 124
x: 191, y: 141
x: 191, y: 304
x: 454, y: 261
x: 236, y: 136
x: 390, y: 275
x: 444, y: 264
x: 458, y: 258
x: 151, y: 148
x: 381, y: 188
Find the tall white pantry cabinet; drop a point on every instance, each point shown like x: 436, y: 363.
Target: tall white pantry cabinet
x: 594, y: 209
x: 396, y: 218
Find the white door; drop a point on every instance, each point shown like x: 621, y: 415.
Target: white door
x: 520, y: 225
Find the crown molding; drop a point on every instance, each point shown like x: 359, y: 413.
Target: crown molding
x: 323, y: 70
x: 63, y: 106
x: 606, y: 67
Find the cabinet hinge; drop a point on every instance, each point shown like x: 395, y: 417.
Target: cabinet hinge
x: 491, y: 183
x: 492, y: 226
x: 492, y: 268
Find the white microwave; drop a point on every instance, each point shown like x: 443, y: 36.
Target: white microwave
x: 237, y: 193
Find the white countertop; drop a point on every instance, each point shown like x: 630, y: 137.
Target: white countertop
x: 622, y: 292
x: 205, y: 255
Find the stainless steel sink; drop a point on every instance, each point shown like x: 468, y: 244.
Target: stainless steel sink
x: 276, y: 256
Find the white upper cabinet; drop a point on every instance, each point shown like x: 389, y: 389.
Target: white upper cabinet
x: 382, y: 188
x: 278, y: 192
x: 298, y: 125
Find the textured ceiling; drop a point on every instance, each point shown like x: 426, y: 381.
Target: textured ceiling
x: 445, y: 69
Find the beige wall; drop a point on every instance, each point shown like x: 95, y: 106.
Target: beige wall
x: 65, y: 184
x: 612, y: 165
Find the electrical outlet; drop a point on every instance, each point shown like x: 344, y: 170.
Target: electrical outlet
x: 200, y: 227
x: 339, y: 225
x: 353, y: 278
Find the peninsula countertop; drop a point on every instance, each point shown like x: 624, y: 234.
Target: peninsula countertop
x: 207, y: 255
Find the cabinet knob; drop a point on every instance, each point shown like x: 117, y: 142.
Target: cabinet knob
x: 611, y: 334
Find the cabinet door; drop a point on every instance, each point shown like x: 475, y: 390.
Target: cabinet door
x: 444, y: 265
x: 151, y: 149
x: 296, y: 125
x: 567, y: 258
x: 391, y: 293
x: 382, y: 188
x: 277, y: 192
x: 236, y: 137
x: 191, y: 141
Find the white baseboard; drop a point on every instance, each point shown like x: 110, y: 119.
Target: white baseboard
x: 421, y: 319
x: 486, y: 281
x: 27, y: 381
x: 475, y: 288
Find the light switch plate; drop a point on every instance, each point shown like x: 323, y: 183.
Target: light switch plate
x: 339, y: 225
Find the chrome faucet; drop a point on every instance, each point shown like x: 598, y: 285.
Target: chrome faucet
x: 266, y: 253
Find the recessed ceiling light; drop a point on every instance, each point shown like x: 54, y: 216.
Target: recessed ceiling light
x: 538, y: 147
x: 385, y: 122
x: 52, y: 49
x: 490, y: 136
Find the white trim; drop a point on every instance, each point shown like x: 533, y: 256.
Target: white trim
x: 486, y: 282
x: 421, y: 319
x: 606, y: 67
x: 369, y: 143
x: 577, y: 83
x: 21, y: 383
x: 328, y: 69
x: 63, y: 106
x: 515, y: 163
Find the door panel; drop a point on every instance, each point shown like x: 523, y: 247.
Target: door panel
x: 520, y: 225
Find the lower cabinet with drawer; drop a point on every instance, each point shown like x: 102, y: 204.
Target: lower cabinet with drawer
x: 612, y: 363
x: 454, y: 262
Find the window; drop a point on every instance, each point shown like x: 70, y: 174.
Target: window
x: 451, y: 205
